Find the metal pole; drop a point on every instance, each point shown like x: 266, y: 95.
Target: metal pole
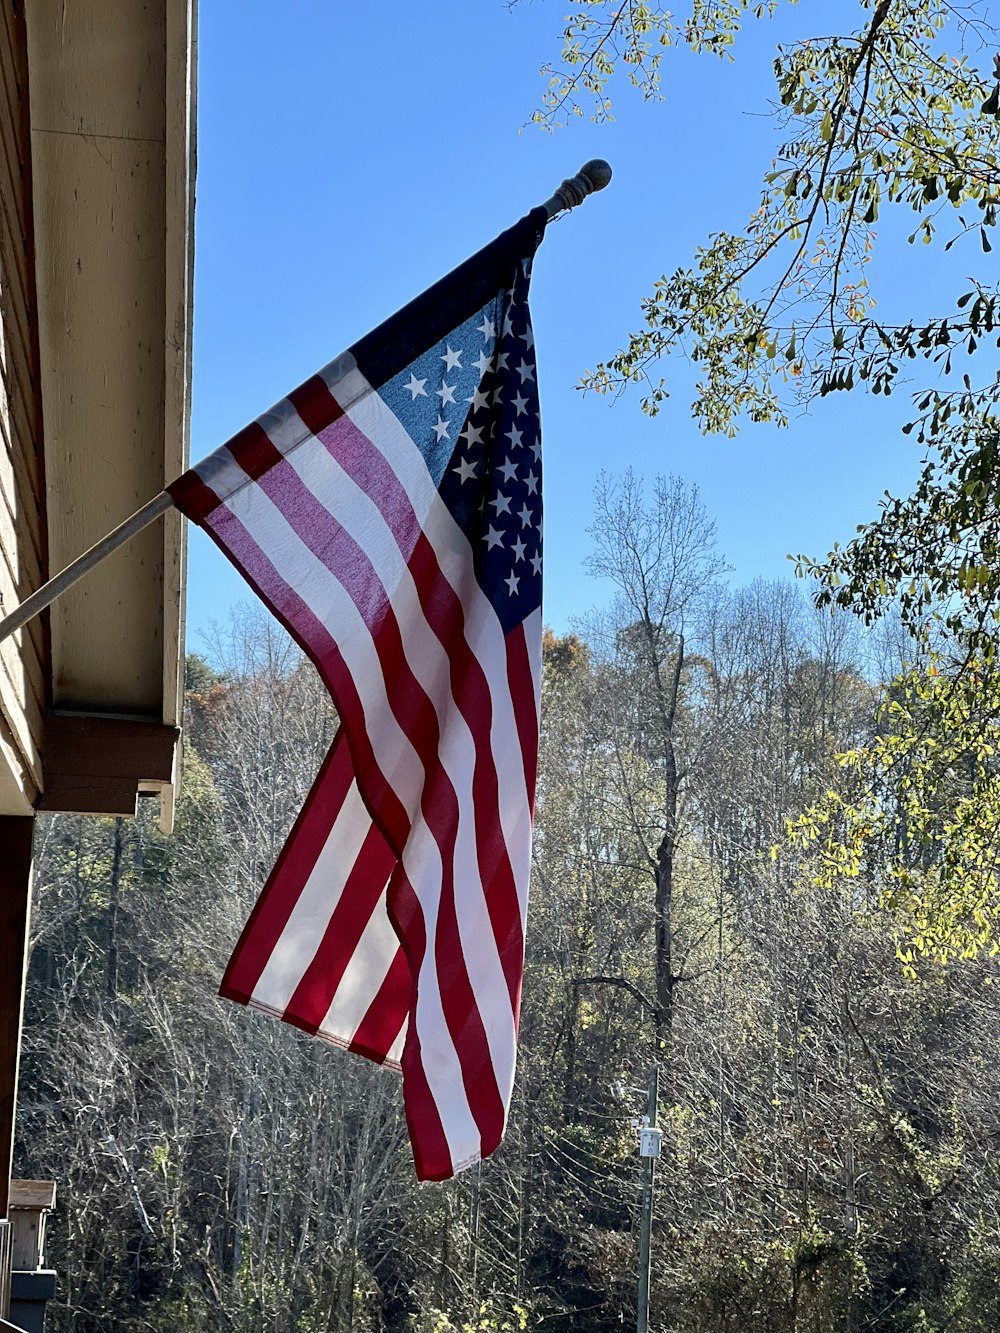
x: 592, y: 176
x: 73, y: 573
x: 646, y: 1223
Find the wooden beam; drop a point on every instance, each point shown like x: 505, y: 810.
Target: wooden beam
x: 36, y: 1194
x: 97, y: 765
x: 15, y: 908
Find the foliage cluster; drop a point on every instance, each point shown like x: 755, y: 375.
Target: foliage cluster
x: 886, y: 128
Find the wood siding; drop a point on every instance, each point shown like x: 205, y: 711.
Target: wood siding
x: 23, y: 658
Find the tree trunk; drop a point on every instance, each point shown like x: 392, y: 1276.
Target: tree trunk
x: 665, y: 856
x: 114, y: 898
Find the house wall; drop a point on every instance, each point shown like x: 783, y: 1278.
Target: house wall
x: 23, y: 657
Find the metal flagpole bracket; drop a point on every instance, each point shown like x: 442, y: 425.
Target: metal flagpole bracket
x: 48, y: 592
x: 592, y: 176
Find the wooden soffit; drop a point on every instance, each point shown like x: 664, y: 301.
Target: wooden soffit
x: 112, y: 142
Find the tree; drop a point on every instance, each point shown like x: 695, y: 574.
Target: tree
x: 661, y: 560
x: 897, y: 116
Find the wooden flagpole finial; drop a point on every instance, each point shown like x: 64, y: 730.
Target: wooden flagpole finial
x: 592, y: 176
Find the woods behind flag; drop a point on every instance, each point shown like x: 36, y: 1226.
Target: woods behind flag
x: 389, y: 512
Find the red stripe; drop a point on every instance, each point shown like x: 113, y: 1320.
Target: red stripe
x: 315, y: 404
x: 361, y: 896
x: 522, y: 692
x: 471, y: 692
x: 445, y: 613
x: 254, y: 451
x: 440, y: 808
x: 192, y: 497
x: 431, y: 1151
x: 381, y: 1024
x: 291, y: 871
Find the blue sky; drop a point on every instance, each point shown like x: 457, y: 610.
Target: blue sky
x: 350, y: 155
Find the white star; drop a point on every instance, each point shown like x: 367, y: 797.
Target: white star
x: 451, y: 359
x: 526, y: 372
x: 514, y: 435
x: 536, y: 448
x: 483, y: 364
x: 519, y: 549
x: 501, y: 504
x: 512, y: 581
x: 531, y: 481
x: 478, y: 400
x: 508, y: 469
x: 441, y: 427
x: 493, y: 538
x: 528, y: 338
x: 508, y: 327
x: 520, y: 403
x: 536, y: 563
x: 466, y: 470
x: 446, y: 393
x: 502, y: 361
x: 525, y: 515
x: 488, y: 329
x: 497, y: 396
x: 472, y: 434
x: 416, y: 388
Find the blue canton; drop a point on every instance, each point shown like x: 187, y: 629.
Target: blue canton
x: 471, y: 404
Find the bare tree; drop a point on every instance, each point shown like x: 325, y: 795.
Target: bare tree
x: 660, y: 555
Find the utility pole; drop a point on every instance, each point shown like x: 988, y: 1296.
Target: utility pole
x: 649, y: 1150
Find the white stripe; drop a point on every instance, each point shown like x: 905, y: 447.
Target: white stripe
x: 362, y: 979
x: 400, y: 765
x: 221, y: 473
x: 533, y: 642
x: 303, y: 933
x: 431, y: 665
x: 395, y: 1053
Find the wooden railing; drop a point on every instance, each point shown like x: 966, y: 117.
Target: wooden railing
x: 31, y: 1201
x: 5, y: 1243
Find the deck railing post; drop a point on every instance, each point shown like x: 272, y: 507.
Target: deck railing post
x: 15, y: 906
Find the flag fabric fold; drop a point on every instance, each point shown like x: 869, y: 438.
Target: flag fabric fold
x: 389, y: 512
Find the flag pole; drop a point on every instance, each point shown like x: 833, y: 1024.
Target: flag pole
x: 592, y: 176
x: 48, y: 592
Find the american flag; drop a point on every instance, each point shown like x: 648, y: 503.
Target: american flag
x: 389, y: 512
